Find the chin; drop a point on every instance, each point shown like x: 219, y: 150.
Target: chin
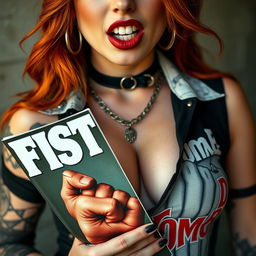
x: 125, y: 61
x: 128, y: 57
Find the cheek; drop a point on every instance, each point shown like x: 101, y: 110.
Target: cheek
x: 155, y: 9
x: 88, y: 14
x: 155, y: 13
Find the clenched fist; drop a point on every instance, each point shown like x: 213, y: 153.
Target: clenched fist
x: 101, y: 211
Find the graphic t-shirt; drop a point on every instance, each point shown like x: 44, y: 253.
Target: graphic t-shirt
x: 194, y: 200
x: 198, y: 192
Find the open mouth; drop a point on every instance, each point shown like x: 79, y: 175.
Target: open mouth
x: 125, y: 34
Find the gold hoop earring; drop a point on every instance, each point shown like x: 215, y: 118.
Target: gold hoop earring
x: 169, y: 46
x: 68, y: 43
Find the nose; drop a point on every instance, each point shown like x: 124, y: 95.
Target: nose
x: 123, y: 6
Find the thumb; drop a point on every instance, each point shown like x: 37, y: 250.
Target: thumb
x: 72, y: 182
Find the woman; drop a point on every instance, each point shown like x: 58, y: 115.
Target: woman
x: 187, y: 123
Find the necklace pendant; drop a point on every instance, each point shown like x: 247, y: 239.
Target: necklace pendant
x: 130, y: 134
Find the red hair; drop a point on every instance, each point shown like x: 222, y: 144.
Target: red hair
x: 57, y: 72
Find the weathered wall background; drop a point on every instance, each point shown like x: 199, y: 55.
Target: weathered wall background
x: 234, y: 20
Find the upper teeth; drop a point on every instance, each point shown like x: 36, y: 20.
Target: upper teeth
x: 125, y: 30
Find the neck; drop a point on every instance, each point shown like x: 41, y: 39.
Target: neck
x: 123, y: 68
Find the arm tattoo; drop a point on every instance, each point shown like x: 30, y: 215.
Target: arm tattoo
x: 7, y: 155
x: 16, y: 250
x: 16, y: 225
x: 243, y: 246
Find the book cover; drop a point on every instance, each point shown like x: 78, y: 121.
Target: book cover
x: 73, y: 143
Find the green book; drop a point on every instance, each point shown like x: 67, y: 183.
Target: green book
x: 72, y: 143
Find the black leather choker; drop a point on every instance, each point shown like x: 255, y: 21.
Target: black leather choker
x: 142, y: 80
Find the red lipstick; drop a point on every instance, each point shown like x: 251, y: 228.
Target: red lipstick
x: 123, y: 41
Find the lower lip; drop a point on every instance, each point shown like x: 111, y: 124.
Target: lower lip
x: 125, y: 45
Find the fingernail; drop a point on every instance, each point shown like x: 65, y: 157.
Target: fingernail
x: 150, y: 228
x: 67, y: 174
x: 156, y: 235
x: 163, y: 242
x: 85, y: 180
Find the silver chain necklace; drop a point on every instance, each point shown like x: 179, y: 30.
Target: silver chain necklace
x: 130, y: 133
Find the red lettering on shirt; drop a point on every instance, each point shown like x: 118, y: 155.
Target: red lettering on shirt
x: 178, y: 231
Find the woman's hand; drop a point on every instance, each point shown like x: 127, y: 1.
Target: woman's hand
x: 142, y: 241
x: 101, y: 212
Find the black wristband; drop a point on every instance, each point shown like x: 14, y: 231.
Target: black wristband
x: 242, y: 192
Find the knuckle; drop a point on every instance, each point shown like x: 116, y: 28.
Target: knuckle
x: 113, y: 204
x: 121, y: 193
x: 122, y: 243
x: 89, y: 192
x: 134, y: 202
x: 105, y: 186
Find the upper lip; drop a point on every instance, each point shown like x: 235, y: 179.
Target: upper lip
x: 124, y: 23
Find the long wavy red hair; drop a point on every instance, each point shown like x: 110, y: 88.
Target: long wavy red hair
x: 56, y: 71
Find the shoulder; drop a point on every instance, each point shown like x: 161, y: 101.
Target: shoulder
x: 233, y: 91
x: 239, y: 113
x: 24, y: 120
x: 240, y: 160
